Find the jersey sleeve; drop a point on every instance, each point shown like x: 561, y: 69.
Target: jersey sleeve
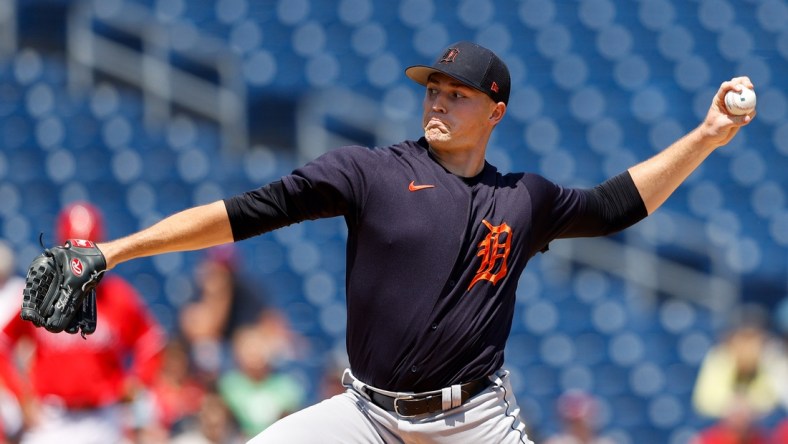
x: 576, y: 212
x: 331, y: 185
x: 259, y: 211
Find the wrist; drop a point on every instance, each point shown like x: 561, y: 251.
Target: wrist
x: 705, y: 137
x: 108, y: 252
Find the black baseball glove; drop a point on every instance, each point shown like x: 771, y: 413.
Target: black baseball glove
x: 60, y: 293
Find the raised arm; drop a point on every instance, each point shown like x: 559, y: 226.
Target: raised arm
x: 193, y: 229
x: 658, y: 177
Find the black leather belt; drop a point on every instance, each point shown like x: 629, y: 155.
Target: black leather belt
x: 422, y: 404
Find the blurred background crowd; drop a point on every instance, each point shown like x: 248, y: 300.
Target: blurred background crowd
x: 115, y: 113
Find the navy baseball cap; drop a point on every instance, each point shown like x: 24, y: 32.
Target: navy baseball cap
x: 472, y: 65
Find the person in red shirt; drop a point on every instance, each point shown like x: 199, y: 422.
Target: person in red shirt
x: 780, y: 433
x: 739, y: 425
x: 73, y: 389
x: 11, y: 286
x: 578, y: 412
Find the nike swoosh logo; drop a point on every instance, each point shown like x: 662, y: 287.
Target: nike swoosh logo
x: 413, y: 187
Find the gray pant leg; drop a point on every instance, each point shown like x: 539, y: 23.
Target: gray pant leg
x: 340, y: 419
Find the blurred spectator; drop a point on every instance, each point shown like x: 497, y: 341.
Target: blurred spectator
x: 176, y: 392
x: 255, y: 392
x: 743, y: 367
x: 781, y: 373
x: 738, y: 425
x: 214, y: 424
x: 578, y: 413
x: 11, y: 287
x: 230, y: 297
x: 330, y: 383
x: 74, y: 390
x: 225, y: 303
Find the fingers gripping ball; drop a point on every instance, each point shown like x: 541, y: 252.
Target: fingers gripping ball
x: 740, y: 103
x: 60, y: 292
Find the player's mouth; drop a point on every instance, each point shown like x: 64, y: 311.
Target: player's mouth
x: 436, y: 124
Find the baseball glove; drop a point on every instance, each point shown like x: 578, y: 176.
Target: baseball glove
x: 60, y: 292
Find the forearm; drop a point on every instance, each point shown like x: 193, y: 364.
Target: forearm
x: 192, y: 229
x: 658, y: 177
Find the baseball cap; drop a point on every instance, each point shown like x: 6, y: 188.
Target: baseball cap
x: 471, y: 64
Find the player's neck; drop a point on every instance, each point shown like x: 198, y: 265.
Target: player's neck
x: 463, y: 163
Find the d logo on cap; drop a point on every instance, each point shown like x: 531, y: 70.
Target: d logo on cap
x: 470, y: 64
x: 449, y: 55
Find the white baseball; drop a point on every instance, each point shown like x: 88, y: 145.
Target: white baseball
x: 740, y: 103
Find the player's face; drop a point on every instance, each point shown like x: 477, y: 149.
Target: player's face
x: 456, y: 115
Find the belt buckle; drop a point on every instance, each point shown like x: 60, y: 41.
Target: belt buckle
x: 396, y: 406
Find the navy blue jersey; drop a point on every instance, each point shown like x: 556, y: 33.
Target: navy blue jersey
x: 433, y: 259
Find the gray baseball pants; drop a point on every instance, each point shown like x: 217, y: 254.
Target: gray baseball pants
x: 492, y: 416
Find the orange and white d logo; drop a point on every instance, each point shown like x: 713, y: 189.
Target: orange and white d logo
x: 494, y: 250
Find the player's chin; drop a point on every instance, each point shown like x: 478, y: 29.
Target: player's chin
x: 435, y: 136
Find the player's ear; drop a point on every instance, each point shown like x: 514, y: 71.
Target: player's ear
x: 497, y: 113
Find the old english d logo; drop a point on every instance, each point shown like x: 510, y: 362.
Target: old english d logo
x: 449, y: 55
x: 494, y: 250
